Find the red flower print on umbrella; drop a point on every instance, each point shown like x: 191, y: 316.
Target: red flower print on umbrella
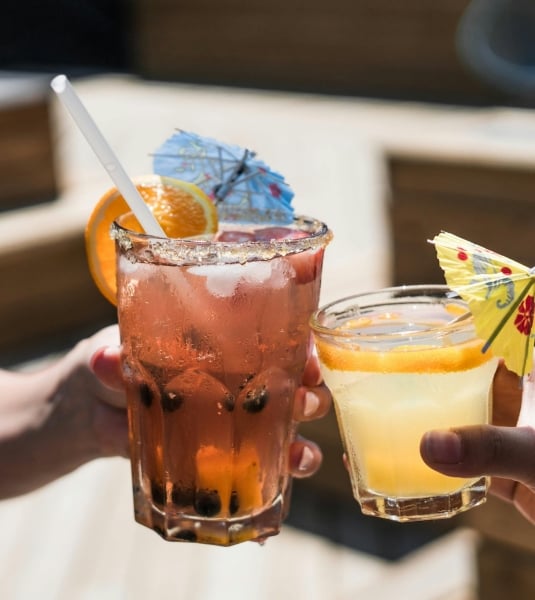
x: 524, y: 316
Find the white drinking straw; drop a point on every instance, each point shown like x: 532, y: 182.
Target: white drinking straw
x: 61, y: 85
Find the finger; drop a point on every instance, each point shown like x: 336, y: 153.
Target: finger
x: 106, y: 365
x: 311, y: 403
x: 312, y: 374
x: 305, y: 458
x: 507, y: 396
x: 503, y: 488
x: 482, y: 450
x: 522, y: 497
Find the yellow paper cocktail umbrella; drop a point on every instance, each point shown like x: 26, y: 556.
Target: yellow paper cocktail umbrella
x: 500, y: 294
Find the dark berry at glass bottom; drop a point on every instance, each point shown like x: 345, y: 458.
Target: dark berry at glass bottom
x: 215, y: 338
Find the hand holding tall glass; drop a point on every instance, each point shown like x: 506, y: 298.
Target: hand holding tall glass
x: 400, y: 362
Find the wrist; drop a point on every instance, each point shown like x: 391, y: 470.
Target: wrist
x: 42, y: 436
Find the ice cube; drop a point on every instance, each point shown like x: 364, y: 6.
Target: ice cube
x: 222, y: 280
x: 257, y: 272
x: 128, y: 267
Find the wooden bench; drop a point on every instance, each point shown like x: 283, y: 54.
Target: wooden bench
x: 27, y: 169
x: 47, y: 296
x: 371, y: 47
x: 489, y: 203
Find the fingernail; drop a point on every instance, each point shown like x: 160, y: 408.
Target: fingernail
x: 307, y: 458
x: 443, y: 447
x: 312, y: 403
x: 106, y: 351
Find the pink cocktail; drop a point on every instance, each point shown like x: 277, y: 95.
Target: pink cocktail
x: 215, y: 337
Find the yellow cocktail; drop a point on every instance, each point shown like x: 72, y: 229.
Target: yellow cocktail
x: 401, y: 362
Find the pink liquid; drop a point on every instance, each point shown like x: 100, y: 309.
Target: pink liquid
x: 212, y: 356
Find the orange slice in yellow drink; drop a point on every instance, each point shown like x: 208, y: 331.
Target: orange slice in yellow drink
x: 182, y: 209
x: 403, y: 359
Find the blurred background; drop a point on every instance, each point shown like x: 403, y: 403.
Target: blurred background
x: 391, y: 120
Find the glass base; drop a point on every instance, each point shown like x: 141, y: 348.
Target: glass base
x: 423, y: 508
x: 180, y: 527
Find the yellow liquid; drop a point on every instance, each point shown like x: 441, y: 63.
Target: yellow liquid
x: 382, y: 417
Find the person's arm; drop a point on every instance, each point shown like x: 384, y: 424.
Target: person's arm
x: 58, y: 418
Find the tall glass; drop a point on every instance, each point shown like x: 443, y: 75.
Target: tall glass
x: 215, y: 337
x: 400, y: 362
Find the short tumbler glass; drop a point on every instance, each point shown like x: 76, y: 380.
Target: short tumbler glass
x: 400, y: 362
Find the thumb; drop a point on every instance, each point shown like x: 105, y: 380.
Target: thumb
x: 482, y: 450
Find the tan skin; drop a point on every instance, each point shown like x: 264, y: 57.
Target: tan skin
x: 73, y: 411
x: 504, y: 450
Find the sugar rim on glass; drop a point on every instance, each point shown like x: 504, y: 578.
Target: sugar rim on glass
x: 194, y: 251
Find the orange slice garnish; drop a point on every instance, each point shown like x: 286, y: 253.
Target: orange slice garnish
x: 182, y: 209
x: 403, y: 359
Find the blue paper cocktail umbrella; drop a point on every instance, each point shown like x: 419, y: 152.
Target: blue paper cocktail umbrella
x: 243, y: 186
